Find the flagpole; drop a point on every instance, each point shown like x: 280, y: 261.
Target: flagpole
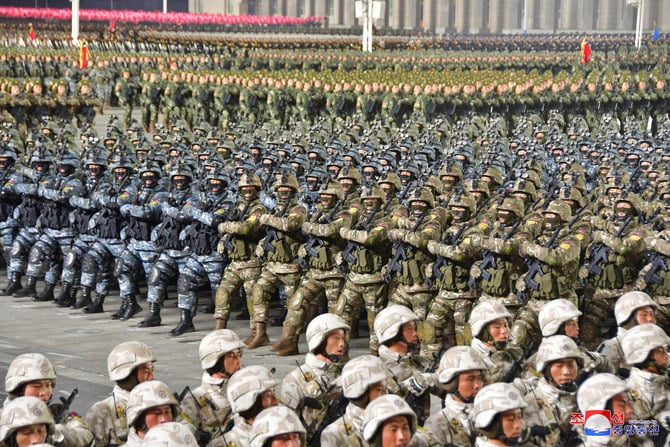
x: 75, y: 20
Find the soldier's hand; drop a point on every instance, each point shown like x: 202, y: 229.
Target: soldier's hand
x: 474, y: 240
x: 432, y: 246
x: 263, y: 219
x: 217, y: 219
x: 541, y: 430
x: 181, y: 217
x: 597, y: 236
x: 397, y: 234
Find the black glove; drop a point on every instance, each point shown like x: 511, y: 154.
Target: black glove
x: 541, y: 430
x: 182, y: 218
x: 216, y: 220
x: 310, y: 402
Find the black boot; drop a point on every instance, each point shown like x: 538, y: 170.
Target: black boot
x: 13, y: 285
x: 84, y: 300
x: 28, y: 290
x: 132, y: 308
x: 185, y: 324
x: 66, y: 297
x: 279, y: 321
x: 47, y: 294
x: 96, y: 306
x: 154, y: 317
x: 122, y: 309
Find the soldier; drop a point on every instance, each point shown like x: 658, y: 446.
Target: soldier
x: 150, y: 99
x: 107, y: 418
x: 395, y: 327
x: 410, y: 256
x: 653, y: 278
x: 279, y: 248
x: 149, y: 404
x: 124, y: 89
x: 9, y: 178
x: 143, y: 214
x: 249, y: 391
x: 277, y: 426
x: 616, y: 257
x: 240, y: 233
x: 388, y: 422
x: 489, y: 325
x: 85, y: 105
x: 631, y: 309
x: 318, y: 255
x: 207, y: 407
x: 32, y: 375
x: 174, y: 434
x: 312, y: 389
x: 26, y: 421
x: 497, y: 415
x: 645, y: 349
x: 57, y: 235
x: 368, y: 250
x: 449, y: 311
x: 363, y: 380
x: 461, y: 372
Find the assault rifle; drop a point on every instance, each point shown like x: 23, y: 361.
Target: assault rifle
x: 416, y: 402
x: 600, y: 254
x: 313, y: 241
x: 60, y: 410
x: 511, y: 372
x: 441, y: 261
x: 353, y: 247
x: 237, y: 217
x: 658, y: 262
x: 489, y: 257
x: 535, y: 268
x: 271, y: 232
x: 399, y: 248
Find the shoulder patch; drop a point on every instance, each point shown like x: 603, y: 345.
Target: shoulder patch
x: 635, y: 237
x: 482, y: 226
x: 565, y: 245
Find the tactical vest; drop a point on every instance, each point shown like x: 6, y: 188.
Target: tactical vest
x: 167, y: 234
x: 413, y: 268
x: 619, y: 271
x: 29, y: 212
x: 56, y: 216
x: 244, y: 247
x: 202, y: 239
x: 81, y: 219
x: 662, y: 289
x: 503, y: 277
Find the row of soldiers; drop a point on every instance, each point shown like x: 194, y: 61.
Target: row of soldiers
x: 491, y: 394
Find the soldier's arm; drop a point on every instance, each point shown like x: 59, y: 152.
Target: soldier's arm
x: 632, y: 243
x: 292, y: 222
x: 420, y: 239
x: 659, y: 245
x: 74, y: 433
x: 567, y: 251
x: 327, y: 230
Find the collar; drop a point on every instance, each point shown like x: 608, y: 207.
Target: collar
x: 388, y: 355
x: 207, y: 379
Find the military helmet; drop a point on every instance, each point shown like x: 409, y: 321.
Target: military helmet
x: 349, y: 172
x: 392, y: 179
x: 560, y: 208
x: 555, y: 348
x: 523, y: 185
x: 146, y: 395
x: 274, y: 421
x: 249, y: 179
x: 359, y: 373
x: 149, y: 166
x: 319, y: 328
x: 372, y: 192
x: 422, y: 195
x: 486, y: 312
x: 513, y: 204
x: 121, y: 161
x: 170, y: 434
x: 181, y: 169
x: 69, y: 159
x: 628, y: 303
x: 27, y: 368
x: 96, y: 156
x: 247, y: 384
x: 382, y: 409
x: 451, y: 169
x: 22, y: 412
x: 332, y: 188
x: 492, y: 400
x: 457, y: 360
x: 554, y: 313
x: 388, y: 323
x: 462, y: 199
x: 216, y: 344
x: 127, y: 356
x: 597, y: 390
x: 41, y: 155
x: 286, y: 179
x: 640, y: 340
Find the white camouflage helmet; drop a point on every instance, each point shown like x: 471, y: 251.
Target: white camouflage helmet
x: 459, y: 359
x: 492, y: 400
x: 555, y: 348
x: 554, y: 313
x: 628, y: 303
x: 486, y: 312
x: 21, y: 412
x: 169, y: 434
x: 275, y: 421
x: 382, y: 409
x: 390, y: 320
x: 640, y: 340
x: 127, y: 356
x: 147, y: 395
x: 319, y: 328
x: 247, y: 384
x: 359, y: 373
x: 216, y: 344
x: 594, y: 393
x: 26, y: 368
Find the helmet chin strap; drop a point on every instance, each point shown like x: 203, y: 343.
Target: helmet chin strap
x: 467, y: 400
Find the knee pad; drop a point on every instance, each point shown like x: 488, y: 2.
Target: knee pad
x: 154, y: 278
x: 89, y: 263
x: 17, y: 249
x: 184, y: 284
x: 118, y: 267
x: 70, y: 260
x: 36, y: 254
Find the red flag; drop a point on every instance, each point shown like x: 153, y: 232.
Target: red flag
x: 112, y: 25
x: 31, y: 32
x: 83, y: 54
x: 586, y: 51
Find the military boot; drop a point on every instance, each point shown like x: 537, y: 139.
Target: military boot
x: 28, y: 290
x: 84, y: 300
x: 132, y: 308
x: 279, y: 320
x: 288, y: 342
x: 154, y: 317
x: 122, y: 309
x: 258, y: 337
x: 185, y: 323
x: 220, y: 323
x: 13, y: 284
x: 96, y: 306
x: 47, y: 294
x: 66, y: 297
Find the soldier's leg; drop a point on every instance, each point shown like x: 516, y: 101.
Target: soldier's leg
x: 439, y: 328
x: 307, y: 294
x: 526, y: 328
x: 332, y: 289
x: 260, y: 300
x: 348, y: 302
x: 462, y: 308
x: 55, y: 266
x: 230, y: 284
x: 89, y: 274
x: 39, y: 255
x: 17, y: 263
x: 165, y: 267
x: 187, y: 285
x: 71, y: 272
x: 375, y: 298
x: 594, y: 326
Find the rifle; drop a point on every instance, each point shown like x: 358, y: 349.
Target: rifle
x: 535, y: 268
x: 64, y: 406
x: 416, y: 402
x: 399, y: 249
x: 353, y: 247
x: 509, y: 375
x: 271, y: 233
x: 441, y: 261
x: 658, y: 262
x: 237, y: 217
x: 600, y: 254
x: 489, y: 258
x: 313, y: 241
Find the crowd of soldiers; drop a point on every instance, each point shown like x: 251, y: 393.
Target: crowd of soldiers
x: 506, y: 259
